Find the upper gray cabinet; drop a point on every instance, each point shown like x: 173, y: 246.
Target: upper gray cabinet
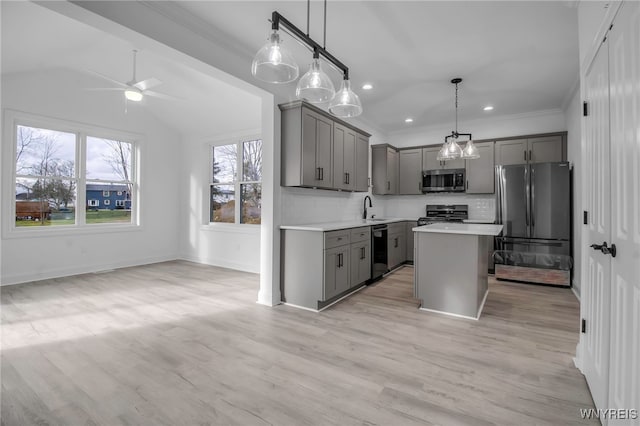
x: 531, y: 150
x: 430, y: 160
x: 480, y: 173
x: 384, y: 169
x: 410, y: 172
x: 320, y: 151
x: 344, y: 157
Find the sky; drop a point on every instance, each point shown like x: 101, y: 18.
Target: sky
x: 65, y: 149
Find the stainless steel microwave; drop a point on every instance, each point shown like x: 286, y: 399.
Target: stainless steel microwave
x: 443, y: 180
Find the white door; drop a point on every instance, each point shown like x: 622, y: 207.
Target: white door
x: 597, y: 265
x: 624, y: 77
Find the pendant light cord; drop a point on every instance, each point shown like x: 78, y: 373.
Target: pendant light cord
x: 456, y: 110
x: 308, y: 6
x: 324, y: 41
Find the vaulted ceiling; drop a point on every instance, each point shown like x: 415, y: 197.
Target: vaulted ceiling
x: 519, y: 57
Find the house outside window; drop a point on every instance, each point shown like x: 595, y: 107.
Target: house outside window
x: 235, y: 194
x: 52, y: 191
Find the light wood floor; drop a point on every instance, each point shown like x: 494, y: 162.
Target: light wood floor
x: 180, y: 343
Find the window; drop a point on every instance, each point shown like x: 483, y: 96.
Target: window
x: 50, y: 188
x: 236, y: 175
x: 119, y: 193
x: 120, y: 204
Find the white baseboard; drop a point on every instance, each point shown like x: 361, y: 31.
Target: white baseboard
x: 244, y: 267
x: 575, y: 293
x: 80, y: 269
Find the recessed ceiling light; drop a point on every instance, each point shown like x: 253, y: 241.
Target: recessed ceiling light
x: 408, y: 120
x: 367, y: 86
x: 488, y: 108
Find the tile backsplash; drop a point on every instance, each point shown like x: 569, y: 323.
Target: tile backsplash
x: 303, y: 205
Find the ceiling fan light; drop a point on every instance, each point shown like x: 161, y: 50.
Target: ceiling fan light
x: 133, y: 95
x: 315, y: 85
x: 345, y: 103
x: 273, y: 63
x: 470, y: 151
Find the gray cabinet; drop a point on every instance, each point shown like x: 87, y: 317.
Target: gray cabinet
x: 344, y: 157
x: 362, y: 163
x: 320, y: 151
x: 480, y: 171
x: 384, y: 169
x: 430, y: 160
x: 336, y: 271
x: 531, y: 150
x: 360, y: 255
x: 409, y: 233
x: 396, y: 244
x: 410, y: 172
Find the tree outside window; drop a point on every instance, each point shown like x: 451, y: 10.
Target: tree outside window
x: 236, y: 189
x: 47, y: 180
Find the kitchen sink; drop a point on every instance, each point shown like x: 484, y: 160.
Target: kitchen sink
x: 377, y: 219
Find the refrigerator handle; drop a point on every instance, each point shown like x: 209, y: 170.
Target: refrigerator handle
x: 533, y: 199
x: 499, y: 195
x: 527, y: 193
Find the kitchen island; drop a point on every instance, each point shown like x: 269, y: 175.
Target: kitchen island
x: 450, y: 267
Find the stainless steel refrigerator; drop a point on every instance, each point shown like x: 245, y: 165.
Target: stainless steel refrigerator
x: 533, y: 202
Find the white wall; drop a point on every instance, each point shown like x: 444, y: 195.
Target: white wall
x: 573, y: 116
x: 57, y: 94
x: 227, y: 245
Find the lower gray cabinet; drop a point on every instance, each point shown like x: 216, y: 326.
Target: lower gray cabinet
x: 360, y: 263
x: 336, y: 271
x: 318, y: 267
x: 396, y: 249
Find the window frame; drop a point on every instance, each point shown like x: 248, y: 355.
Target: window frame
x: 13, y: 119
x: 237, y: 181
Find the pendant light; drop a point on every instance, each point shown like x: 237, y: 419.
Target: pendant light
x: 316, y: 86
x: 450, y: 149
x: 273, y: 63
x: 346, y: 103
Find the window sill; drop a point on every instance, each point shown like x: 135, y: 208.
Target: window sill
x: 68, y: 231
x: 232, y: 228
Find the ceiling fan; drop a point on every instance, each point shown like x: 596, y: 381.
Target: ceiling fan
x: 133, y: 89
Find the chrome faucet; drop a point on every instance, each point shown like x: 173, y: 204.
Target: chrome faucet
x: 364, y: 215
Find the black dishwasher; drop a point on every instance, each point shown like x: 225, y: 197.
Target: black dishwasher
x: 379, y: 264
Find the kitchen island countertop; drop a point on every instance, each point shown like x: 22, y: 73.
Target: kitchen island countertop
x: 461, y: 228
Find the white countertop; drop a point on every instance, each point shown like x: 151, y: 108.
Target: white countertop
x: 478, y: 221
x: 461, y: 228
x: 333, y: 226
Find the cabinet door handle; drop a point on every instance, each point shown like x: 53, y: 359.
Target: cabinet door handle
x: 338, y: 260
x: 321, y: 173
x: 525, y: 155
x: 388, y: 185
x: 362, y: 253
x: 395, y: 243
x: 530, y: 159
x: 467, y: 184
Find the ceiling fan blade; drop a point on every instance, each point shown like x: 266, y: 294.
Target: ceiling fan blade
x: 162, y: 96
x: 147, y: 84
x: 119, y: 83
x: 104, y: 89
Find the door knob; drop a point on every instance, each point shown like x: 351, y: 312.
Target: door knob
x: 605, y: 249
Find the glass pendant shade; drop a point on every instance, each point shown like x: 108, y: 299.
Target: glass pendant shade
x: 450, y: 150
x: 470, y: 151
x: 315, y: 85
x: 273, y: 63
x: 345, y: 103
